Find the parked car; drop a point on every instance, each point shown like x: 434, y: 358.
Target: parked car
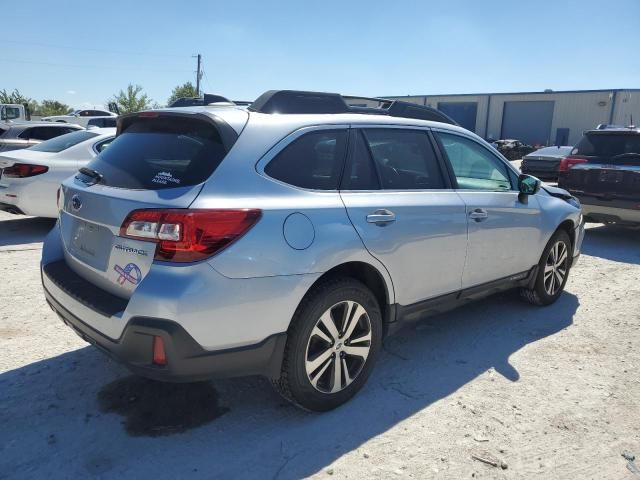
x: 512, y: 149
x: 30, y: 178
x: 18, y: 135
x: 102, y: 122
x: 546, y: 163
x: 219, y: 241
x: 79, y: 117
x: 604, y: 173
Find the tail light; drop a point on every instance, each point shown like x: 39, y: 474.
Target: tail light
x: 186, y: 235
x: 23, y: 170
x: 568, y: 162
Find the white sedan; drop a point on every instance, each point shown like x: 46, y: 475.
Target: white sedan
x: 80, y: 117
x: 29, y: 178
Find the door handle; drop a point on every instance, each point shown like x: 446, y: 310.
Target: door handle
x: 381, y: 217
x: 479, y: 214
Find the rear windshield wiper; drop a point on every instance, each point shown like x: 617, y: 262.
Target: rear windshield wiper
x: 97, y: 176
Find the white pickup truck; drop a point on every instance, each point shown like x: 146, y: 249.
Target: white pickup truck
x: 13, y: 112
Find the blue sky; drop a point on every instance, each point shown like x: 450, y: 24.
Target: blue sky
x: 81, y: 52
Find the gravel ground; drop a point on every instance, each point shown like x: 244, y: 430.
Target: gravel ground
x: 498, y: 389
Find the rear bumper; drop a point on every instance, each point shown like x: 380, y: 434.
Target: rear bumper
x: 609, y: 211
x: 187, y: 361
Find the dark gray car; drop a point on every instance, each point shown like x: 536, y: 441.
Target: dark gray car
x: 15, y: 136
x: 545, y: 163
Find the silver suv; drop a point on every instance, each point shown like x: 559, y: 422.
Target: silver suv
x: 288, y: 239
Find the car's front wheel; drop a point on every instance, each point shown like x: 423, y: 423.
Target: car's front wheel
x: 332, y: 345
x: 553, y: 271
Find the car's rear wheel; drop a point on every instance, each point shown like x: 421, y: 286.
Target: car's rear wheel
x: 553, y: 271
x: 332, y: 345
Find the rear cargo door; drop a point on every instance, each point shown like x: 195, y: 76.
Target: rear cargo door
x: 157, y: 160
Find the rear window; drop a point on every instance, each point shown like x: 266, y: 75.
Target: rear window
x: 622, y: 148
x: 159, y: 153
x: 63, y: 142
x: 551, y: 152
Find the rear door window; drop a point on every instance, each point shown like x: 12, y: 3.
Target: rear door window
x: 39, y: 133
x: 616, y: 148
x: 314, y: 160
x: 160, y: 152
x: 62, y: 142
x: 405, y: 159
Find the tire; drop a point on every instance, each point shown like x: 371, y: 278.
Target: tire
x: 309, y: 376
x: 547, y: 290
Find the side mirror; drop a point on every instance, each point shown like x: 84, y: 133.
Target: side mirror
x: 528, y: 185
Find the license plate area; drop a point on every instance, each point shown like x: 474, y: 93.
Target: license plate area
x: 610, y: 176
x: 88, y: 242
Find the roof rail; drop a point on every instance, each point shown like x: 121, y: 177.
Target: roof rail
x: 295, y: 101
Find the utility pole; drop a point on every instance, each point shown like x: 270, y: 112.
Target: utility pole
x: 198, y: 76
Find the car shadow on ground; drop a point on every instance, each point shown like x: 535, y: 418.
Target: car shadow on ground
x: 20, y: 230
x: 58, y: 414
x: 613, y: 243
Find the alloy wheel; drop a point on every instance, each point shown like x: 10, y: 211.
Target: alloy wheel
x: 338, y: 347
x: 556, y: 267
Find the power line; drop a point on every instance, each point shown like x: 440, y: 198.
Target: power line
x: 88, y: 49
x: 103, y: 67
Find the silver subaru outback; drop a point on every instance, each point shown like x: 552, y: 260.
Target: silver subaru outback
x: 287, y: 239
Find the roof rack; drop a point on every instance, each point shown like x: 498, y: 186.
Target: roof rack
x: 605, y: 126
x: 206, y: 99
x: 295, y: 101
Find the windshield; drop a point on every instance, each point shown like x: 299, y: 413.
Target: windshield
x: 63, y: 142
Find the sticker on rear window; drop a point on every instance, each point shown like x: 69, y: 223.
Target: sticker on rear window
x: 164, y: 178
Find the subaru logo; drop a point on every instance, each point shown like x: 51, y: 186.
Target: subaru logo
x: 76, y: 203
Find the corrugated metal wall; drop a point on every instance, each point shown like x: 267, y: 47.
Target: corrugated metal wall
x: 577, y: 111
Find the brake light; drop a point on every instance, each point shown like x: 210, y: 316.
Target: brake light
x: 149, y: 114
x: 185, y: 235
x: 159, y: 353
x: 23, y: 170
x: 568, y: 162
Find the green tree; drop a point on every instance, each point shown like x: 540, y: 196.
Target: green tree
x: 185, y: 90
x: 131, y: 100
x: 51, y: 107
x: 13, y: 97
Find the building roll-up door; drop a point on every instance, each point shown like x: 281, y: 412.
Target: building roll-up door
x: 529, y: 122
x: 464, y: 113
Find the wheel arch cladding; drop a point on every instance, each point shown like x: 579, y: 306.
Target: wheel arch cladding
x: 568, y: 227
x: 370, y: 277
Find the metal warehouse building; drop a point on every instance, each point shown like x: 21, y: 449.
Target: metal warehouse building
x: 537, y: 118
